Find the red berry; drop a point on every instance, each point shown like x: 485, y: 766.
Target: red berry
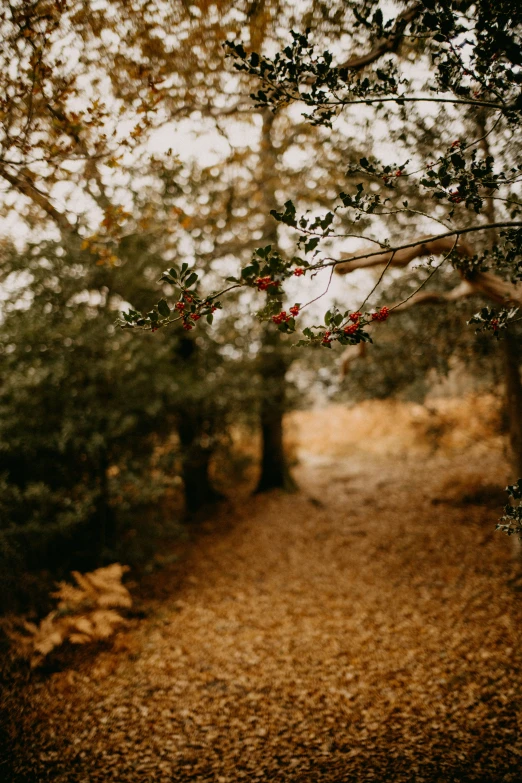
x: 382, y: 315
x: 351, y: 329
x: 180, y: 306
x: 282, y: 317
x: 295, y: 310
x: 298, y: 272
x: 195, y: 317
x: 454, y: 197
x: 263, y: 283
x: 355, y: 317
x: 398, y: 173
x: 187, y: 327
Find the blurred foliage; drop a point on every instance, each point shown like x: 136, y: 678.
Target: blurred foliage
x: 91, y: 416
x: 422, y: 346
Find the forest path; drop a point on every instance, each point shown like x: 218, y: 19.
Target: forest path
x: 354, y: 631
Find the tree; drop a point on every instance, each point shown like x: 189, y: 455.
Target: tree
x: 467, y: 184
x: 479, y: 70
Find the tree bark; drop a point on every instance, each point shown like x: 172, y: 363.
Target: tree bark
x: 275, y: 472
x: 193, y: 430
x: 513, y: 400
x: 513, y: 383
x: 106, y: 522
x: 273, y: 364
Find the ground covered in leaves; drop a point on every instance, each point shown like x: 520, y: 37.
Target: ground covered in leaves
x: 366, y: 628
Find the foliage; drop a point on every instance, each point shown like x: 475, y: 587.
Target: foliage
x: 474, y: 56
x: 511, y: 522
x: 85, y: 613
x: 91, y: 463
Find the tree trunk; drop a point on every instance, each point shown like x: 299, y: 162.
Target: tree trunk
x: 275, y: 473
x: 513, y: 401
x: 273, y: 364
x: 105, y: 517
x: 193, y: 430
x: 510, y: 340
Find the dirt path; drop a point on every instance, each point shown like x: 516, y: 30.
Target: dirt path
x: 354, y: 632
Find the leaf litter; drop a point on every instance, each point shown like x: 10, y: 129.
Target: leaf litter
x: 375, y: 636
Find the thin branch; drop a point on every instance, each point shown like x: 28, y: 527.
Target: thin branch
x: 390, y: 44
x: 433, y: 272
x: 377, y: 284
x: 27, y: 188
x: 320, y: 295
x: 456, y: 232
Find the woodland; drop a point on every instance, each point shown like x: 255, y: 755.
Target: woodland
x: 260, y: 391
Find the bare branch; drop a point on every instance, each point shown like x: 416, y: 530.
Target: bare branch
x: 24, y: 185
x: 484, y: 283
x: 389, y: 44
x: 424, y: 246
x: 432, y: 297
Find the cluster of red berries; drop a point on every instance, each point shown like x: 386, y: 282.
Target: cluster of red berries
x: 188, y: 317
x: 494, y: 323
x: 282, y: 317
x: 298, y: 272
x: 456, y: 143
x: 326, y: 338
x: 265, y: 282
x: 352, y: 328
x: 454, y: 197
x: 382, y: 315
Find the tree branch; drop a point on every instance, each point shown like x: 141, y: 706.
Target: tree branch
x: 374, y: 258
x: 24, y: 185
x: 389, y: 44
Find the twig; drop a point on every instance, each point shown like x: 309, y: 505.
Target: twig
x: 436, y: 269
x: 377, y: 284
x: 320, y: 295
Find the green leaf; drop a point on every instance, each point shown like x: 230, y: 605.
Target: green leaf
x: 210, y: 318
x: 248, y: 271
x: 311, y: 244
x: 163, y: 308
x: 191, y: 279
